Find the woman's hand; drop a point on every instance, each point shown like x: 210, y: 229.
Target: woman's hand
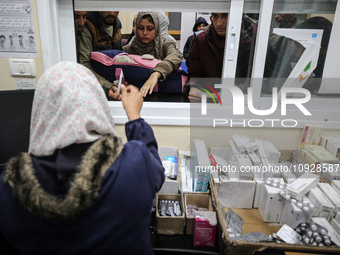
x: 132, y: 101
x: 150, y: 83
x: 113, y: 94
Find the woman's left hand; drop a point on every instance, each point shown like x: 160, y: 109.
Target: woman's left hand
x: 150, y: 83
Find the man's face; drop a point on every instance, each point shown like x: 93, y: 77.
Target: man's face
x: 220, y: 21
x: 284, y: 18
x: 80, y: 20
x: 109, y: 18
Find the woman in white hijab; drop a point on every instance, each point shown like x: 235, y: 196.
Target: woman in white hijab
x: 79, y: 190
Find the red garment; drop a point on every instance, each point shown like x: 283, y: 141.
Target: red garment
x: 206, y: 55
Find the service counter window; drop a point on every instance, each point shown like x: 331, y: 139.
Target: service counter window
x: 263, y: 50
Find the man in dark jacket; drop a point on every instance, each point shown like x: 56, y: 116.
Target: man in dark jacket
x: 102, y: 31
x: 207, y: 53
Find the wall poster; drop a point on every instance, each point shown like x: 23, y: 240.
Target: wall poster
x: 17, y: 36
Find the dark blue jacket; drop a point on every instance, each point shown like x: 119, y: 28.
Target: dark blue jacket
x: 117, y: 221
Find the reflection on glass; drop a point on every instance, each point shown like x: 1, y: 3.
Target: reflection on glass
x: 291, y: 36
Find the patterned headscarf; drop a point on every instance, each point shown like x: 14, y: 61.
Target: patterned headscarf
x: 69, y: 107
x: 155, y: 47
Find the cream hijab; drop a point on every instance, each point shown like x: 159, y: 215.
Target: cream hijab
x: 69, y: 107
x: 155, y: 47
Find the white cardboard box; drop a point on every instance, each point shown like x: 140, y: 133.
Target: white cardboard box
x: 320, y: 200
x: 293, y: 215
x: 336, y: 186
x: 334, y: 148
x: 237, y: 194
x: 271, y: 204
x: 335, y: 237
x: 302, y: 185
x: 258, y: 190
x: 239, y: 143
x: 331, y: 194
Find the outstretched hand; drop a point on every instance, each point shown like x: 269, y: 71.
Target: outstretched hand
x: 113, y: 94
x: 150, y: 83
x: 132, y: 101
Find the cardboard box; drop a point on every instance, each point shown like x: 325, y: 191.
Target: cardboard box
x: 252, y: 222
x: 320, y: 200
x: 311, y: 134
x: 200, y: 200
x: 302, y: 185
x: 271, y: 204
x: 334, y: 148
x: 321, y: 154
x: 293, y: 215
x: 331, y: 194
x: 237, y: 193
x: 330, y: 173
x: 335, y: 237
x: 205, y: 228
x: 167, y: 225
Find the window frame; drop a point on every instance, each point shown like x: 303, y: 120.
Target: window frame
x: 57, y: 31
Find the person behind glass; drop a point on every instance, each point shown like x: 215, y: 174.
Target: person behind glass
x: 207, y: 52
x: 285, y: 20
x: 79, y: 20
x: 200, y: 25
x: 79, y: 190
x: 163, y: 26
x: 149, y: 41
x: 102, y: 31
x: 133, y: 33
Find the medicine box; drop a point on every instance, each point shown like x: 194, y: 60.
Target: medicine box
x: 260, y: 152
x: 272, y: 153
x: 236, y: 193
x: 320, y: 200
x: 334, y: 148
x: 271, y: 204
x: 258, y: 190
x: 311, y: 134
x: 239, y: 143
x: 205, y: 228
x: 168, y: 225
x: 331, y: 194
x: 335, y: 236
x: 244, y: 166
x: 293, y: 215
x: 202, y: 167
x: 321, y: 154
x: 302, y: 185
x: 251, y: 146
x: 336, y: 186
x: 330, y: 173
x: 199, y: 200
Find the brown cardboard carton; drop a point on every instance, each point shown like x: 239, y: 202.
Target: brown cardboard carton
x: 168, y: 225
x: 252, y: 222
x: 200, y: 200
